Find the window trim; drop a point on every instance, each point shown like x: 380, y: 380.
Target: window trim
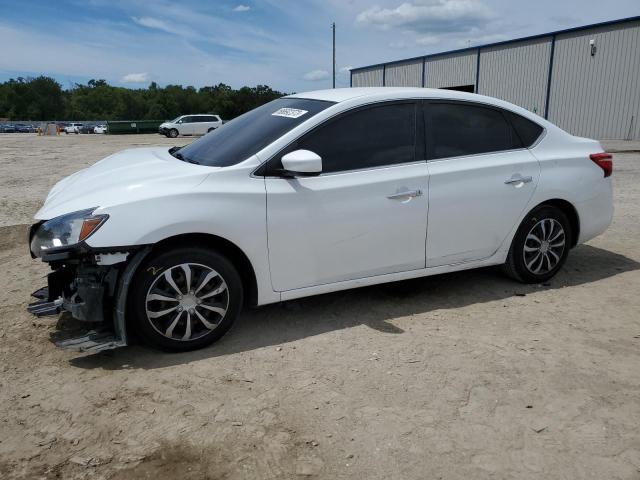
x: 265, y: 171
x: 429, y: 146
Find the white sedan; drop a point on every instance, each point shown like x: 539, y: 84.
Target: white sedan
x: 313, y: 193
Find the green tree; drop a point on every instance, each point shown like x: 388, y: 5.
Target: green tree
x: 43, y: 98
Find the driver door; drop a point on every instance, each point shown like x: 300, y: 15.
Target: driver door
x: 365, y: 214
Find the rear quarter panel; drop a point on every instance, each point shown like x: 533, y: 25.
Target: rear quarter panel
x: 567, y: 173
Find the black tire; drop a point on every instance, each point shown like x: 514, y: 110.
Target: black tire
x: 173, y: 133
x: 516, y: 264
x: 148, y: 276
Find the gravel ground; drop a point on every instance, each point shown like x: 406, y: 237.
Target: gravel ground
x: 458, y: 376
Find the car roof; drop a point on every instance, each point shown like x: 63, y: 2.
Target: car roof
x: 378, y: 93
x: 363, y: 95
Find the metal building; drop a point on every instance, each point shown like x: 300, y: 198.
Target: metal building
x: 585, y: 79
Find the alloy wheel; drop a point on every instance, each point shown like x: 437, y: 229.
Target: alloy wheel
x: 187, y: 301
x: 544, y: 246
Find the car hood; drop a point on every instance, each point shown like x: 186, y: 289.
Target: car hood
x: 123, y: 177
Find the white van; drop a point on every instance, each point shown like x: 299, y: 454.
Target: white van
x: 200, y: 124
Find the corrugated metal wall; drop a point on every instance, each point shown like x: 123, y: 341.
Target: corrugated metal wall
x: 594, y: 96
x: 599, y: 95
x: 406, y: 74
x: 367, y: 77
x: 517, y: 73
x: 451, y: 70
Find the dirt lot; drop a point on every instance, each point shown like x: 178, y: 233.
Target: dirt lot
x: 458, y: 376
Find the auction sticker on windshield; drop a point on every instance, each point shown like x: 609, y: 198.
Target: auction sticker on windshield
x: 289, y: 113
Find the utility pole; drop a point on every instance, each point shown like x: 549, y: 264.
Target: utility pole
x: 333, y: 27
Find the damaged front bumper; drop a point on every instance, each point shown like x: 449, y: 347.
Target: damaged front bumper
x: 92, y: 285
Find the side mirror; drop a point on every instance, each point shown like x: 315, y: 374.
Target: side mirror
x: 302, y: 163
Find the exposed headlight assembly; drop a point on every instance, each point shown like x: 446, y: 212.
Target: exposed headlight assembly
x: 66, y: 230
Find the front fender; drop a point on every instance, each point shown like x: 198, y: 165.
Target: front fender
x: 226, y: 204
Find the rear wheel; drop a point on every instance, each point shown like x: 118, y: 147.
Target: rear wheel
x: 185, y: 299
x: 540, y: 246
x: 173, y: 133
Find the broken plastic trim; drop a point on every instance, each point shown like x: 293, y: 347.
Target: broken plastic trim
x: 104, y: 338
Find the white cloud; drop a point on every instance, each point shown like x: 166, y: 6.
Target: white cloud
x: 398, y: 44
x: 346, y: 69
x: 316, y: 75
x: 424, y: 16
x: 242, y: 8
x: 427, y: 40
x: 135, y: 78
x: 155, y: 23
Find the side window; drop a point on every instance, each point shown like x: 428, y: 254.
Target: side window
x: 370, y: 137
x: 186, y: 119
x: 457, y: 129
x: 528, y: 131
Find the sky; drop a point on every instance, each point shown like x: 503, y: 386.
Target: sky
x: 285, y: 44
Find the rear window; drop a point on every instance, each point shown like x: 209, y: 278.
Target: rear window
x: 203, y: 118
x: 460, y: 129
x: 247, y: 134
x: 528, y: 131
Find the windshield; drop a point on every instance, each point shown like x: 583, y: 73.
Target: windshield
x: 175, y: 119
x: 247, y: 134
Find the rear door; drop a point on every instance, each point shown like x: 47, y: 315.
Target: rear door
x: 201, y: 124
x: 481, y: 180
x: 365, y: 215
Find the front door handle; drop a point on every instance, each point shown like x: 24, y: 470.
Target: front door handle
x: 516, y: 179
x: 407, y: 194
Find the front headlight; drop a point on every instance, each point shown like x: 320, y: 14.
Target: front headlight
x: 66, y: 230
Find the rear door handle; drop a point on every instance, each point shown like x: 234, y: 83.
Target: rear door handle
x: 518, y: 179
x: 407, y: 194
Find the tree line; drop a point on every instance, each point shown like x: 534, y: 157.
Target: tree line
x: 43, y: 98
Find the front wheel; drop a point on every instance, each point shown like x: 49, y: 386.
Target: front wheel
x: 540, y: 246
x: 185, y: 299
x: 173, y: 133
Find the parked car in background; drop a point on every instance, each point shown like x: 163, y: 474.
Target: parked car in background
x: 20, y: 128
x: 190, y: 125
x: 87, y: 128
x: 7, y: 128
x: 100, y: 129
x: 72, y: 128
x: 313, y: 193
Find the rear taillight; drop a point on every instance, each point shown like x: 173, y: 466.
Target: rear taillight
x: 604, y: 161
